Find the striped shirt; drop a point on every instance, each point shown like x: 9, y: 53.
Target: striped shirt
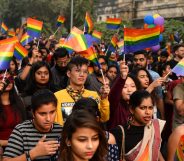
x: 25, y: 137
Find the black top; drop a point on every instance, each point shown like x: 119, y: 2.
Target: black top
x: 133, y: 135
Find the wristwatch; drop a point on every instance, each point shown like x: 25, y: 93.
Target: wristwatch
x: 29, y: 64
x: 28, y: 156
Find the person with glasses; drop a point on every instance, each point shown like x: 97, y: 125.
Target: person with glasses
x: 77, y: 72
x: 61, y: 58
x: 95, y: 80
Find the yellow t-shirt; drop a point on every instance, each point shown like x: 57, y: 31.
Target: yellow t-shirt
x: 66, y: 102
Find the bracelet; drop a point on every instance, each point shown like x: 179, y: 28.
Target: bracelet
x: 28, y: 156
x: 29, y: 64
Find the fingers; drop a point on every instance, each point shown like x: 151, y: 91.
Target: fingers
x: 43, y: 138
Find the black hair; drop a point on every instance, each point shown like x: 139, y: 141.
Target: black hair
x: 137, y: 97
x: 163, y: 67
x: 60, y: 53
x: 88, y: 104
x: 77, y: 61
x: 42, y: 97
x: 177, y: 46
x: 144, y: 52
x: 113, y: 65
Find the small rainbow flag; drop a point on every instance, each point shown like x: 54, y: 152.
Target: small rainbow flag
x: 4, y: 28
x: 88, y: 24
x: 26, y: 39
x: 113, y: 44
x: 11, y: 40
x: 138, y: 39
x: 34, y: 27
x: 60, y: 21
x: 113, y: 23
x: 6, y: 54
x: 20, y: 52
x: 11, y: 33
x: 97, y: 36
x: 179, y: 68
x: 90, y: 55
x: 120, y: 45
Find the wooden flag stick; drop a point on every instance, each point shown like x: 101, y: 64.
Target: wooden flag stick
x: 56, y: 30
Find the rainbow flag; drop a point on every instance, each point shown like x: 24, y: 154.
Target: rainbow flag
x: 63, y: 44
x: 179, y: 68
x: 90, y: 55
x: 138, y: 39
x: 20, y: 52
x: 11, y: 40
x: 120, y: 45
x: 179, y: 155
x: 6, y: 54
x: 90, y: 69
x: 88, y: 24
x: 34, y: 27
x: 4, y: 28
x: 113, y: 44
x: 26, y: 39
x: 75, y: 32
x: 11, y: 33
x: 60, y: 21
x: 145, y: 154
x: 113, y: 23
x: 97, y: 36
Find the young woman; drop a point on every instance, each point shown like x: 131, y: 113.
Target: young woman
x: 40, y: 77
x: 13, y: 67
x: 119, y: 97
x: 82, y: 138
x: 91, y: 106
x: 141, y: 137
x: 12, y: 110
x: 175, y: 149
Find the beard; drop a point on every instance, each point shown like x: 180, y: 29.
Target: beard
x: 61, y: 69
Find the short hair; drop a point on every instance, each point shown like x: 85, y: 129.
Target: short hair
x: 177, y: 46
x: 60, y: 53
x: 88, y: 104
x: 77, y: 61
x: 144, y: 52
x: 42, y: 97
x: 137, y: 97
x: 113, y: 66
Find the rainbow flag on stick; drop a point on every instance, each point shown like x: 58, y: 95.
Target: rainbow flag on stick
x: 26, y: 39
x: 6, y: 54
x: 11, y: 33
x: 90, y: 55
x: 113, y: 44
x: 97, y: 36
x: 120, y: 45
x: 113, y: 23
x: 11, y: 40
x: 88, y: 24
x: 60, y: 21
x: 4, y: 28
x: 34, y: 27
x: 138, y: 39
x: 179, y: 68
x: 20, y: 52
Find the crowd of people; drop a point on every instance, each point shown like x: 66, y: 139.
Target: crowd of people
x: 54, y: 108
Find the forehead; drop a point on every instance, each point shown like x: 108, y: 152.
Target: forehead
x: 139, y: 56
x: 46, y: 108
x: 129, y: 81
x: 63, y: 58
x: 146, y: 101
x: 85, y: 132
x: 101, y: 60
x: 142, y: 72
x: 112, y: 69
x: 44, y: 68
x: 83, y: 66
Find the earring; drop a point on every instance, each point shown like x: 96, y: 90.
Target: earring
x: 68, y: 145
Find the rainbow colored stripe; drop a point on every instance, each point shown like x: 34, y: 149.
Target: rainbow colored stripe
x: 11, y: 40
x: 113, y: 23
x: 138, y: 39
x: 34, y: 27
x: 20, y: 52
x: 97, y: 34
x: 4, y: 28
x: 6, y: 54
x: 11, y: 33
x: 60, y: 20
x: 120, y: 45
x: 179, y: 155
x: 88, y: 24
x: 26, y: 39
x: 179, y: 68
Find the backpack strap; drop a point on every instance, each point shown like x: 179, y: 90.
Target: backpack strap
x: 122, y: 153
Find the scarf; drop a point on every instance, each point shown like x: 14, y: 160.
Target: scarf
x: 75, y: 94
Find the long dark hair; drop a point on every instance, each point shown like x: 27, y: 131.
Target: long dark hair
x: 80, y: 119
x: 31, y: 85
x: 16, y: 104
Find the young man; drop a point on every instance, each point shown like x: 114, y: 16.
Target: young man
x: 77, y: 73
x: 37, y: 139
